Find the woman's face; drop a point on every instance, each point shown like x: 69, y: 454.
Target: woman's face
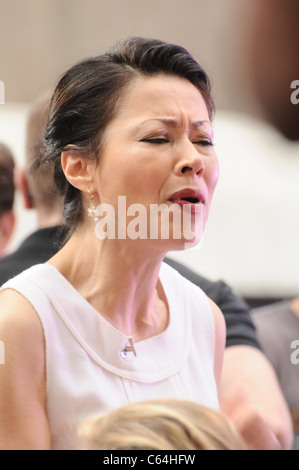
x: 159, y: 150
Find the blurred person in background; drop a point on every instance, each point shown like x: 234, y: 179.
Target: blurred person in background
x: 250, y: 392
x: 273, y: 50
x: 167, y: 424
x: 38, y: 192
x: 7, y: 192
x: 278, y: 331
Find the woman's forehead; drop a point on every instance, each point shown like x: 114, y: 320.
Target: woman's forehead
x: 162, y: 97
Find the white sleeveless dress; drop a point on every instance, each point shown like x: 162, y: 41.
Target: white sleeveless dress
x: 87, y: 371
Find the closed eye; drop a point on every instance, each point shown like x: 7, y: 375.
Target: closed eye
x: 204, y: 143
x: 156, y: 140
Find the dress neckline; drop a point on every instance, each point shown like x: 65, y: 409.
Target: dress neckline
x: 156, y: 358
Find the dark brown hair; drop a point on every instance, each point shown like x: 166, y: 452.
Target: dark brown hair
x: 86, y: 97
x: 7, y: 187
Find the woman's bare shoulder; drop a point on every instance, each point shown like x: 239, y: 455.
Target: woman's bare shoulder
x: 14, y: 305
x: 19, y: 323
x: 23, y: 421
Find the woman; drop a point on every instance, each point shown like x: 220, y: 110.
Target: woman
x: 104, y: 322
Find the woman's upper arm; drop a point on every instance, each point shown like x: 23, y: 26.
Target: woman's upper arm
x: 23, y: 420
x: 220, y: 338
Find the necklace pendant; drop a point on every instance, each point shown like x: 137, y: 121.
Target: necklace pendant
x: 129, y: 349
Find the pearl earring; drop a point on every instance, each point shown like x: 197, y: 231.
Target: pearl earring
x: 92, y: 210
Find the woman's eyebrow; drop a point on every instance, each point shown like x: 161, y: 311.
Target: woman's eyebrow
x: 165, y: 120
x: 198, y: 124
x: 174, y: 122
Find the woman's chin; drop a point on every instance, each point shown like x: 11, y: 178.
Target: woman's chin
x: 183, y: 243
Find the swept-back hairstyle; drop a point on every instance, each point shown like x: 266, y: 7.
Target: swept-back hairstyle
x: 86, y: 99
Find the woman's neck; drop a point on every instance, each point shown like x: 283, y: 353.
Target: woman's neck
x: 118, y: 279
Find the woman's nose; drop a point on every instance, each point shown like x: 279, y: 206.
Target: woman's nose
x: 191, y: 162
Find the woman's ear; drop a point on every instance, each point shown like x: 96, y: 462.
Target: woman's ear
x: 78, y: 170
x: 21, y: 184
x: 7, y: 224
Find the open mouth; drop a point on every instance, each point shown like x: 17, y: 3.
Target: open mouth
x: 191, y: 200
x: 188, y: 196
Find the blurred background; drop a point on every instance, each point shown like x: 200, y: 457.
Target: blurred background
x: 249, y: 49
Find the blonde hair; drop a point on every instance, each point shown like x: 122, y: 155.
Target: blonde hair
x: 167, y: 424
